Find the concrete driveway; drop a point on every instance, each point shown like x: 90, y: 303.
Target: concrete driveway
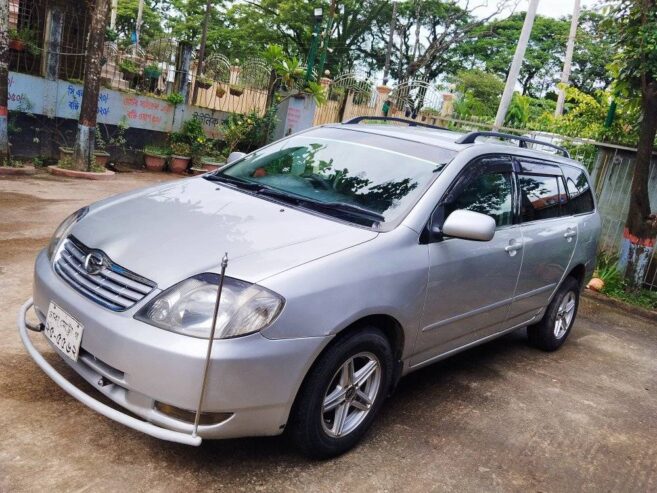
x: 501, y: 417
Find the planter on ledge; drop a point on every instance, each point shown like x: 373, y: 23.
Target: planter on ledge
x: 179, y: 164
x: 154, y: 162
x: 86, y: 175
x: 65, y: 152
x: 17, y: 170
x: 209, y: 164
x: 102, y: 158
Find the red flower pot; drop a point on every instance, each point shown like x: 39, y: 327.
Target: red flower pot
x: 154, y: 162
x: 179, y: 164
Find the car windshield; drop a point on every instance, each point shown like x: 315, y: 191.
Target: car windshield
x: 348, y: 179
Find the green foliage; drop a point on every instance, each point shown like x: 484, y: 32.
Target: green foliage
x: 479, y: 91
x: 316, y: 91
x: 128, y: 66
x: 152, y: 20
x: 519, y: 112
x: 248, y: 132
x: 616, y: 287
x: 181, y: 149
x: 152, y: 71
x: 27, y: 36
x: 154, y: 150
x: 111, y: 35
x: 175, y: 98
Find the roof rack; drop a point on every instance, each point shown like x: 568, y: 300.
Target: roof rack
x: 410, y: 123
x: 471, y: 137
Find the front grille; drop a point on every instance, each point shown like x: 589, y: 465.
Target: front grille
x: 112, y: 286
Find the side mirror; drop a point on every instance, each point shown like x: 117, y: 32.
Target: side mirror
x: 469, y: 225
x: 234, y: 156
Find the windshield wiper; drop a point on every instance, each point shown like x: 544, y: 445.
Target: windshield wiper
x: 346, y: 208
x: 326, y: 207
x: 238, y: 182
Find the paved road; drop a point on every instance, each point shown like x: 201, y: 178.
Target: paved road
x: 501, y: 417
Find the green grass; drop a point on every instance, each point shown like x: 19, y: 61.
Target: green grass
x: 615, y: 286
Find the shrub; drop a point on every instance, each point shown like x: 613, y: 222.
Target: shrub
x: 181, y: 149
x: 175, y: 98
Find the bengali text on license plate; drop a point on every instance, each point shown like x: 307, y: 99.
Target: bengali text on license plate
x: 63, y: 331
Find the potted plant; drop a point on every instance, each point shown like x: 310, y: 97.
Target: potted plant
x: 220, y: 91
x: 212, y: 163
x: 101, y: 156
x: 22, y: 39
x: 128, y: 68
x: 152, y: 71
x: 155, y: 158
x: 181, y: 155
x: 65, y: 152
x: 236, y: 90
x: 203, y: 82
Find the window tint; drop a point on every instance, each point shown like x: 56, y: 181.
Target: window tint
x: 488, y: 194
x: 539, y: 197
x: 581, y: 198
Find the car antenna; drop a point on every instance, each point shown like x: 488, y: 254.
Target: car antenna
x: 197, y: 418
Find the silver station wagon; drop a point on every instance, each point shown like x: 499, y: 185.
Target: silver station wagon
x: 292, y: 289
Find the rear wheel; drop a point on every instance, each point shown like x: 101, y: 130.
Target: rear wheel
x: 342, y: 394
x: 553, y: 330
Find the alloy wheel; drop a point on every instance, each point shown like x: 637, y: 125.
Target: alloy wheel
x: 565, y: 314
x: 351, y: 394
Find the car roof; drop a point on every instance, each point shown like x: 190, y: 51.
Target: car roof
x: 447, y: 139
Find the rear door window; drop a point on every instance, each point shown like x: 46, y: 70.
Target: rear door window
x: 579, y: 191
x: 539, y: 197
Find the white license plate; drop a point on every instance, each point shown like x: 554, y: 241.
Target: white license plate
x: 63, y: 331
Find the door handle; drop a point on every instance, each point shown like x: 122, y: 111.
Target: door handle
x: 569, y: 234
x: 512, y: 248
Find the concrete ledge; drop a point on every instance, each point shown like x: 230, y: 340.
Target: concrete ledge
x: 86, y: 175
x: 621, y: 305
x: 9, y: 171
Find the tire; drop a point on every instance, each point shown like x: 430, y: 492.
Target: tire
x: 553, y: 329
x: 351, y: 406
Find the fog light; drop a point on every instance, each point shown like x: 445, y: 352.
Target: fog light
x: 188, y: 416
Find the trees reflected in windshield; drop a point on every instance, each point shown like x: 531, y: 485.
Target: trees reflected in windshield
x: 326, y: 170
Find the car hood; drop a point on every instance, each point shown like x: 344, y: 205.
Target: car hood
x: 171, y: 232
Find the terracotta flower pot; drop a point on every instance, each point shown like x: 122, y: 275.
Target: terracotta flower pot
x: 65, y: 152
x: 102, y: 158
x: 16, y: 45
x: 221, y: 92
x: 179, y: 164
x: 154, y: 162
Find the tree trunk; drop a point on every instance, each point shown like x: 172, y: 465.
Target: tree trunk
x: 85, y: 138
x: 639, y: 235
x: 4, y: 82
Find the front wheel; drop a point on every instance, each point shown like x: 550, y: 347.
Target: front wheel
x: 553, y: 330
x: 342, y: 394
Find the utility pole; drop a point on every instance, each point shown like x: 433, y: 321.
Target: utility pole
x: 393, y: 21
x: 570, y: 47
x: 140, y: 14
x: 516, y: 64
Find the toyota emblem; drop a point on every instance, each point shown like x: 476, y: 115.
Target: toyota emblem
x: 93, y: 263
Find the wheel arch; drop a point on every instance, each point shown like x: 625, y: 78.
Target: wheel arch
x: 578, y: 272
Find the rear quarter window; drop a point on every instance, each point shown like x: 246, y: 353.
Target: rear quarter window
x: 580, y: 200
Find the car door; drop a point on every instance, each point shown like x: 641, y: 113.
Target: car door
x: 471, y: 283
x: 549, y: 237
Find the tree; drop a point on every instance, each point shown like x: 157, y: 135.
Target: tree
x: 4, y: 82
x: 595, y: 41
x: 479, y: 93
x: 85, y: 137
x: 152, y: 20
x: 427, y: 35
x: 636, y: 66
x: 492, y: 46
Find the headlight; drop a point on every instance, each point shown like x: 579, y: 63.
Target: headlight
x: 62, y: 231
x: 187, y: 308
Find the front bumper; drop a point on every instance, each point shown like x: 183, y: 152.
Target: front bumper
x: 253, y: 378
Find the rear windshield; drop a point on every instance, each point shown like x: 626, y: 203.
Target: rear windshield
x: 326, y: 168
